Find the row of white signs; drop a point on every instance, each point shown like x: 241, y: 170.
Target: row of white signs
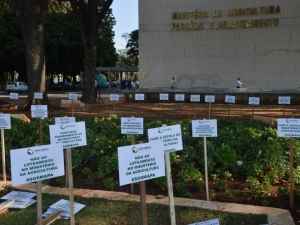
x: 230, y: 99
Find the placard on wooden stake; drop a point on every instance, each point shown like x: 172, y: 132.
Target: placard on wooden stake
x: 171, y: 139
x: 135, y: 126
x: 205, y: 128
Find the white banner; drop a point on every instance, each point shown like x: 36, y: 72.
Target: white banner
x: 13, y: 96
x: 36, y: 163
x: 38, y: 95
x: 208, y: 222
x: 210, y: 98
x: 254, y: 100
x: 204, y: 128
x: 114, y: 97
x: 179, y: 97
x: 140, y: 162
x: 132, y: 125
x: 64, y: 120
x: 288, y: 128
x: 69, y: 135
x: 139, y: 97
x: 170, y: 136
x: 5, y: 121
x: 284, y: 100
x: 163, y: 97
x: 39, y: 111
x: 195, y: 98
x: 230, y: 99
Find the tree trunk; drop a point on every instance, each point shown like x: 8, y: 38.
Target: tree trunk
x: 31, y: 15
x: 90, y: 55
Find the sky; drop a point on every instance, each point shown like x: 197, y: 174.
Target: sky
x: 126, y: 15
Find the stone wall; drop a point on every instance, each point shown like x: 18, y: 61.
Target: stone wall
x: 264, y: 58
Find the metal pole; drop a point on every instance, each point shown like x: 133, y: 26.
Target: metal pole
x: 71, y: 186
x: 170, y: 189
x: 3, y: 157
x: 206, y: 169
x: 39, y: 184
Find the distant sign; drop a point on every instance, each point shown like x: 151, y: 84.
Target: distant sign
x: 18, y: 195
x: 179, y: 97
x: 230, y: 99
x: 284, y: 100
x: 163, y: 97
x: 170, y: 136
x: 5, y: 121
x: 69, y: 135
x: 288, y: 128
x: 140, y: 162
x: 39, y: 111
x: 13, y: 96
x: 36, y: 163
x: 254, y: 100
x: 210, y: 99
x: 195, y: 98
x: 208, y: 222
x: 64, y: 120
x: 38, y: 95
x: 204, y: 128
x: 132, y: 125
x: 114, y: 97
x: 73, y: 96
x: 139, y: 97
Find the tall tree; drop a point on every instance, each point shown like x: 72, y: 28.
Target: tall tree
x: 92, y: 14
x: 31, y: 16
x: 133, y: 48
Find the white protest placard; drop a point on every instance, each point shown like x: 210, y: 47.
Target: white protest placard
x: 195, y: 98
x: 5, y: 121
x: 170, y: 136
x: 36, y: 163
x: 179, y: 97
x: 230, y: 99
x: 204, y: 128
x: 140, y: 162
x: 21, y: 204
x: 164, y: 97
x: 39, y: 111
x: 210, y: 99
x: 69, y: 135
x: 18, y: 195
x: 73, y: 96
x: 114, y: 97
x: 284, y: 100
x: 63, y: 206
x: 38, y: 95
x: 208, y: 222
x: 139, y: 97
x: 64, y: 120
x: 254, y: 101
x: 132, y: 125
x: 288, y: 128
x: 13, y: 96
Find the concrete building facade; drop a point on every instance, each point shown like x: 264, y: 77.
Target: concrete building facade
x: 210, y: 43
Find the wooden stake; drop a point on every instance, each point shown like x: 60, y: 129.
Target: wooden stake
x: 39, y: 184
x: 291, y: 177
x: 143, y: 202
x: 170, y: 188
x: 209, y: 110
x: 3, y: 157
x: 206, y: 169
x: 71, y: 186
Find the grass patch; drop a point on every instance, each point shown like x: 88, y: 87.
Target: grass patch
x: 103, y: 212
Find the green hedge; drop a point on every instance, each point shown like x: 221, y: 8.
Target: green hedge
x: 245, y: 150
